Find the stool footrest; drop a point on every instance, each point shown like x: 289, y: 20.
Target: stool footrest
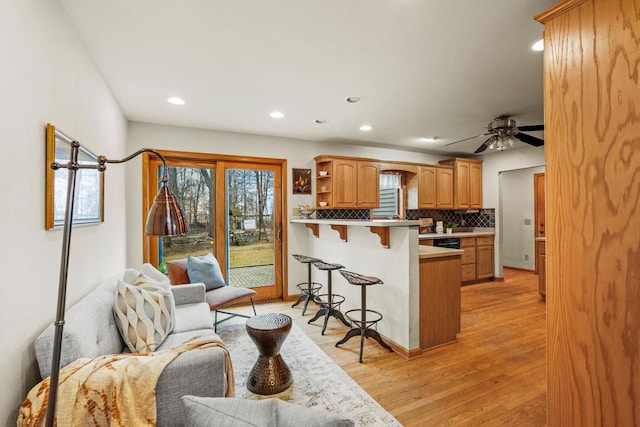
x: 371, y: 317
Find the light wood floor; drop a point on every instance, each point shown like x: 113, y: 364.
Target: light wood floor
x: 494, y: 375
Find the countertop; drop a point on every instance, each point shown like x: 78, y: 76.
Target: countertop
x: 480, y: 231
x: 436, y: 252
x: 359, y: 222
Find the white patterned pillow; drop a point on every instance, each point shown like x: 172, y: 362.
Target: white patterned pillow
x: 144, y: 314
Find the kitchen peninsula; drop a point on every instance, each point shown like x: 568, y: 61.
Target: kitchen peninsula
x: 415, y: 299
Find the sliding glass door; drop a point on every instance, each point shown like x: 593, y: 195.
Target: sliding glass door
x: 234, y: 210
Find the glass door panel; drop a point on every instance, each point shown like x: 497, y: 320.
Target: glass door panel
x: 253, y: 224
x: 194, y: 187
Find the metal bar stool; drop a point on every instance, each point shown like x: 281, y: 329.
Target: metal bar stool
x: 363, y: 318
x: 329, y: 302
x: 308, y: 290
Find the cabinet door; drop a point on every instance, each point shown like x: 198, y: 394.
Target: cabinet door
x: 444, y: 188
x: 427, y: 188
x: 484, y: 262
x: 475, y: 185
x: 368, y: 185
x: 462, y: 185
x: 345, y: 183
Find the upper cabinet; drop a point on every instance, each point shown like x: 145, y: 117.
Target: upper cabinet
x: 467, y: 182
x: 435, y: 187
x: 347, y: 182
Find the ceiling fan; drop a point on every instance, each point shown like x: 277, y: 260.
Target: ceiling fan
x: 503, y: 133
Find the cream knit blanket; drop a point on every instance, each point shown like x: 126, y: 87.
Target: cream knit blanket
x: 111, y: 390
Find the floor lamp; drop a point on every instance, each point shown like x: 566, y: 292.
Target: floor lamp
x: 165, y: 218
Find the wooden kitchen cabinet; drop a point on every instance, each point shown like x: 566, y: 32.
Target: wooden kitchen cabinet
x: 467, y: 182
x: 435, y: 187
x: 350, y: 182
x: 368, y: 195
x: 477, y: 259
x: 468, y: 259
x: 484, y: 257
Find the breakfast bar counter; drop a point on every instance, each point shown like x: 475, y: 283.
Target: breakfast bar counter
x: 411, y: 302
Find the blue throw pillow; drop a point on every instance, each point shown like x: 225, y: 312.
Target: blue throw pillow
x: 205, y: 270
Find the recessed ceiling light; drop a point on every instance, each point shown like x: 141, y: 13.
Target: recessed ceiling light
x: 277, y: 115
x: 366, y: 128
x: 175, y: 100
x: 538, y: 46
x: 429, y: 139
x: 321, y: 121
x: 353, y: 99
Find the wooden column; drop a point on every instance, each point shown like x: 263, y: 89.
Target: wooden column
x: 592, y: 147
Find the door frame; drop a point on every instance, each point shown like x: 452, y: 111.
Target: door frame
x: 218, y: 162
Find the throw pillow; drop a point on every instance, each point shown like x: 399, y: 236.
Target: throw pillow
x: 229, y: 412
x: 144, y: 314
x: 205, y: 270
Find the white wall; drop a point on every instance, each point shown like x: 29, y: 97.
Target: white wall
x: 299, y: 154
x: 47, y: 76
x: 492, y: 165
x: 517, y: 217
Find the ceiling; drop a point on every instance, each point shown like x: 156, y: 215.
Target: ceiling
x: 422, y: 68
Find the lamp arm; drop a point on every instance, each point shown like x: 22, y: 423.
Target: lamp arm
x: 102, y: 160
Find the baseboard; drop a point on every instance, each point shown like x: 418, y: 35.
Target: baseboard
x: 528, y: 270
x: 401, y: 351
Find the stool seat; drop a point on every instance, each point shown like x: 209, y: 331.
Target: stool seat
x: 308, y: 290
x: 362, y: 319
x: 306, y: 259
x: 321, y: 265
x: 359, y: 279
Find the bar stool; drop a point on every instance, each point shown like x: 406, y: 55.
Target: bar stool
x: 363, y: 318
x: 308, y: 290
x: 329, y: 302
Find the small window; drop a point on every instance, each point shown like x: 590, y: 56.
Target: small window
x: 390, y: 185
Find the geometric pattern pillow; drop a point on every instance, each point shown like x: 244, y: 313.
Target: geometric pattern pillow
x: 144, y: 314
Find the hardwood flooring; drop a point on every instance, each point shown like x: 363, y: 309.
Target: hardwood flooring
x: 494, y: 375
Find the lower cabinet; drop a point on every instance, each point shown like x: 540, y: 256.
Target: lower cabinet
x: 468, y: 269
x: 484, y: 257
x: 477, y: 259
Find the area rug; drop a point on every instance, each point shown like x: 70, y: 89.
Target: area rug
x: 317, y: 380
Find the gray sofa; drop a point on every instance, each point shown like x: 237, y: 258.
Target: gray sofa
x: 90, y: 330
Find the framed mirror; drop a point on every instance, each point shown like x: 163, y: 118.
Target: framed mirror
x: 89, y: 199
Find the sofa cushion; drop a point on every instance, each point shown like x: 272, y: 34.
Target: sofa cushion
x: 228, y: 412
x: 205, y: 270
x: 144, y: 314
x: 192, y: 316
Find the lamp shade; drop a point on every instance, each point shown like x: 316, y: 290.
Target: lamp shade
x: 166, y: 216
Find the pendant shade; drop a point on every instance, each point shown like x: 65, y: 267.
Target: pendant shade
x: 166, y: 216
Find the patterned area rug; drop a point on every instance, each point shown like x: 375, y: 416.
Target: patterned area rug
x: 317, y: 380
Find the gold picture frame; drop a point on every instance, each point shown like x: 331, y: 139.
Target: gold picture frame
x: 89, y: 199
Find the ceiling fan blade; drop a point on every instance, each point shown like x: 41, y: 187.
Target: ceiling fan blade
x: 531, y: 128
x: 528, y: 139
x: 483, y: 146
x: 466, y: 139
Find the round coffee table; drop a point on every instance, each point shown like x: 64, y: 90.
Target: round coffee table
x: 270, y: 374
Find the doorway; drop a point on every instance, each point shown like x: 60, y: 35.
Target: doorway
x: 517, y: 218
x: 234, y: 209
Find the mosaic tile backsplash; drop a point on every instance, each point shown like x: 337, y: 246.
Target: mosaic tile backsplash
x: 484, y: 218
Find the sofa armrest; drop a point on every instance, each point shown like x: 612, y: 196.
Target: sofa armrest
x: 197, y: 372
x: 189, y: 294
